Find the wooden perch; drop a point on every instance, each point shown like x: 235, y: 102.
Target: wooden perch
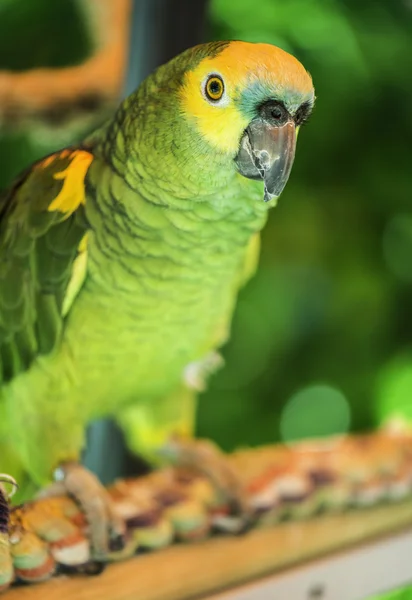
x: 186, y: 572
x: 347, y: 477
x: 294, y: 482
x: 38, y: 91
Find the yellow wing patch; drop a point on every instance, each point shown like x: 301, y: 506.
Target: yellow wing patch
x: 79, y: 271
x: 72, y: 194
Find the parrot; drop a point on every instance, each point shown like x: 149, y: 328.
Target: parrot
x: 121, y: 258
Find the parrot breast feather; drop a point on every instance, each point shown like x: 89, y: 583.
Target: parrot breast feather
x: 43, y: 233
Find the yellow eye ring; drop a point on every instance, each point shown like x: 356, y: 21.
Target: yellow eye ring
x: 214, y: 88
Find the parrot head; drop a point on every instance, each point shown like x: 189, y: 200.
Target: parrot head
x: 216, y: 111
x: 248, y: 101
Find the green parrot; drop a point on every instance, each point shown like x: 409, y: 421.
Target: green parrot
x: 121, y: 259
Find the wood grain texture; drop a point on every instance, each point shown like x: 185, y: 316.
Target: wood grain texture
x: 36, y: 90
x: 192, y: 571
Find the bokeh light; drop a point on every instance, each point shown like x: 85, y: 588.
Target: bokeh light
x: 394, y: 389
x: 315, y: 411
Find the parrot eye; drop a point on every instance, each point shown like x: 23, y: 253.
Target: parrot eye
x: 214, y: 88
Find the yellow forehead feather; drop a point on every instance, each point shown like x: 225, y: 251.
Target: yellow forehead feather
x: 238, y: 64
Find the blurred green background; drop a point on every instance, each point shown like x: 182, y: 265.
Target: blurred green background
x: 321, y: 336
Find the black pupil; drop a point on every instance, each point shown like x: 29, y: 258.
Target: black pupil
x: 215, y: 87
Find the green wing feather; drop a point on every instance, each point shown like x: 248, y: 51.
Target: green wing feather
x: 42, y: 223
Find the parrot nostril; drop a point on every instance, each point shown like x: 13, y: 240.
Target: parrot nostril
x: 277, y: 113
x: 274, y: 112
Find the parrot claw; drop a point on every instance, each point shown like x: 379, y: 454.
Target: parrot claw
x: 106, y: 530
x: 205, y: 457
x: 196, y: 374
x: 7, y: 481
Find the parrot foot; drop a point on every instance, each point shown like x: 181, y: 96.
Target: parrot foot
x: 204, y: 457
x: 106, y: 531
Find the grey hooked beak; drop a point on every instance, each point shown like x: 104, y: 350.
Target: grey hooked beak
x: 267, y: 152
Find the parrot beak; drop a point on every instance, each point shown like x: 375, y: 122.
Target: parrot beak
x: 267, y: 152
